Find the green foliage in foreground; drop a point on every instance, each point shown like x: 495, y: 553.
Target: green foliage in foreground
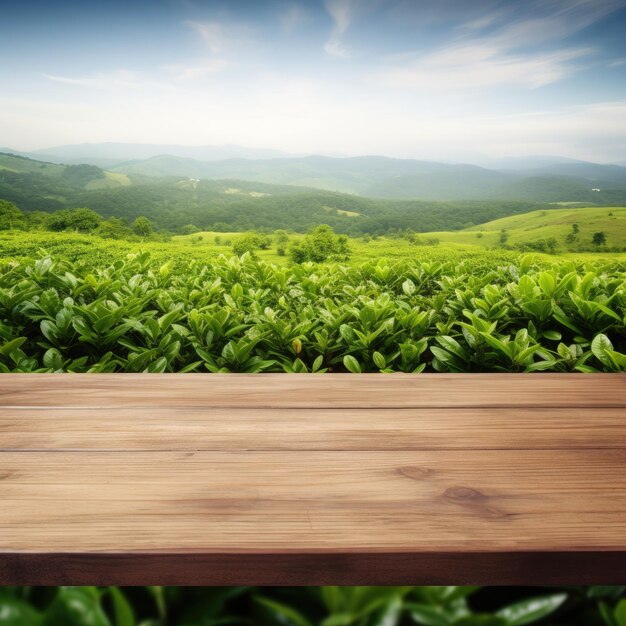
x: 243, y: 315
x: 311, y: 606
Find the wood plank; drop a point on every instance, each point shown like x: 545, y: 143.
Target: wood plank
x: 505, y: 511
x: 197, y: 428
x: 315, y: 568
x: 314, y: 391
x: 301, y: 479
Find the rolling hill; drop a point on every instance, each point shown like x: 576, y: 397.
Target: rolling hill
x: 532, y: 179
x: 113, y: 153
x: 384, y: 177
x: 230, y: 204
x: 82, y: 176
x: 238, y: 204
x: 536, y: 226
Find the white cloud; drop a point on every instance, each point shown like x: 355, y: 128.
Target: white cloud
x: 211, y: 32
x: 501, y: 57
x: 291, y: 16
x: 477, y: 65
x: 481, y: 22
x: 334, y: 48
x: 225, y: 37
x: 112, y: 80
x: 342, y: 12
x: 196, y: 69
x: 552, y: 20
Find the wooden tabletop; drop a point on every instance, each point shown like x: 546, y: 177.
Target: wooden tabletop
x: 289, y: 479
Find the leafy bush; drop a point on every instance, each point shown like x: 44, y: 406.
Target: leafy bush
x: 81, y: 220
x: 319, y: 245
x: 11, y: 216
x: 250, y: 242
x: 142, y: 226
x: 243, y: 315
x: 310, y: 606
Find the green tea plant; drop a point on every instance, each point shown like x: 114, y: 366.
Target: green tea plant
x: 310, y: 606
x: 245, y: 315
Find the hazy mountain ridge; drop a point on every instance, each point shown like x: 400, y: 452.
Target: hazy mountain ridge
x: 386, y: 177
x: 117, y: 152
x: 557, y: 180
x: 227, y: 204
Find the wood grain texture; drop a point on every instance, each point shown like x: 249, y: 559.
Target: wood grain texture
x: 315, y: 391
x: 333, y: 479
x: 205, y: 428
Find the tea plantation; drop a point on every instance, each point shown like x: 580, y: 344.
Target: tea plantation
x: 468, y: 313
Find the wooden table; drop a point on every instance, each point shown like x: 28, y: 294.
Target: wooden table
x: 312, y: 479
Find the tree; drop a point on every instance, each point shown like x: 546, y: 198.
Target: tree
x: 11, y: 216
x: 319, y: 245
x: 264, y: 241
x: 298, y: 254
x: 599, y: 238
x: 189, y: 229
x: 114, y: 228
x: 81, y: 220
x: 573, y: 234
x: 142, y: 226
x: 80, y: 175
x: 249, y: 242
x: 282, y: 238
x: 38, y: 220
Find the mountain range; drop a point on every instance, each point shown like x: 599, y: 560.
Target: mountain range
x: 536, y: 179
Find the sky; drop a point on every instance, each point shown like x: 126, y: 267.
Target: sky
x: 455, y: 80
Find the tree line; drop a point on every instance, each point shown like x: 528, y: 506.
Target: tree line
x: 240, y: 206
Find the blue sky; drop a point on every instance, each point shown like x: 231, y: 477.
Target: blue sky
x: 446, y: 79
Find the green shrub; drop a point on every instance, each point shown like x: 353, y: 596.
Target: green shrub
x: 311, y: 606
x: 243, y: 315
x: 319, y: 245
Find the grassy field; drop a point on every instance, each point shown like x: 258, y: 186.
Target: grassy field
x: 521, y: 229
x: 110, y: 180
x: 202, y: 247
x: 537, y: 225
x: 19, y: 165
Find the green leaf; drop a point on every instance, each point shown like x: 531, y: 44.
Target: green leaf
x: 158, y: 366
x: 379, y: 360
x: 11, y: 346
x: 607, y: 614
x: 408, y: 286
x: 15, y: 612
x: 351, y: 364
x: 547, y: 282
x: 123, y: 611
x: 599, y: 346
x: 282, y: 613
x: 75, y: 606
x: 620, y: 613
x: 427, y: 615
x: 53, y: 359
x: 531, y: 610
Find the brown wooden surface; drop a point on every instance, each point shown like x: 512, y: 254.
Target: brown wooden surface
x: 303, y: 479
